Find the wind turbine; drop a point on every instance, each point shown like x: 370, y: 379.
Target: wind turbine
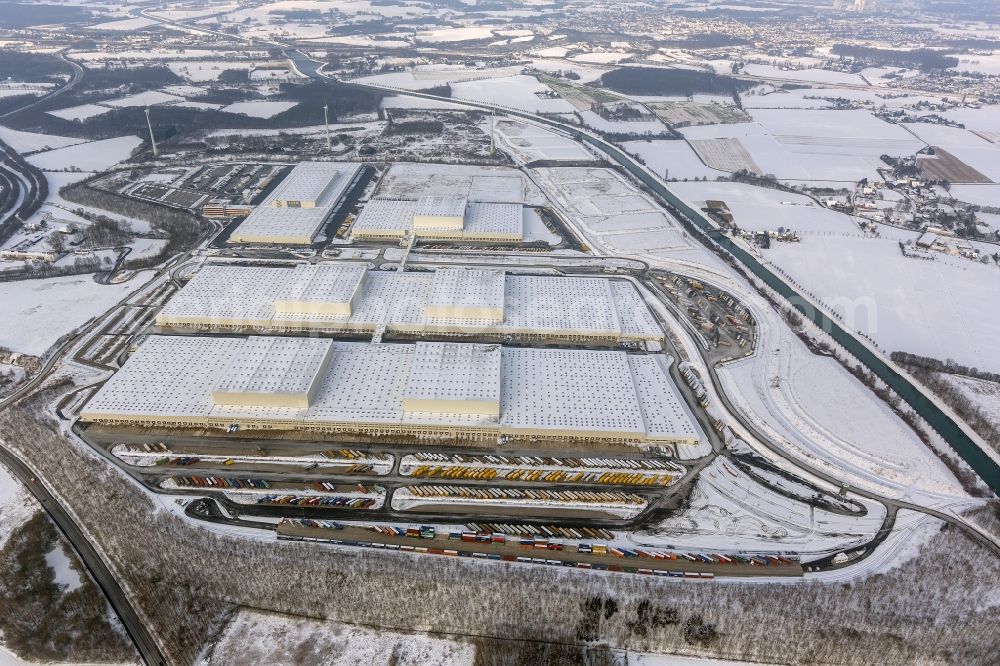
x: 326, y: 123
x: 152, y: 139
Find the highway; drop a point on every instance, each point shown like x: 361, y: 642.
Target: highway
x: 76, y: 77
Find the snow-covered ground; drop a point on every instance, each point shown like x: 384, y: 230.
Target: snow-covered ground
x: 728, y: 510
x: 761, y: 209
x: 612, y: 213
x: 59, y: 561
x: 258, y: 109
x: 815, y: 144
x: 672, y: 159
x: 932, y: 308
x: 592, y: 120
x: 519, y: 92
x: 16, y: 505
x: 81, y: 112
x: 38, y: 312
x: 534, y: 228
x: 983, y: 195
x: 530, y: 142
x: 811, y: 75
x: 975, y: 151
x: 29, y: 142
x: 147, y: 98
x: 985, y: 395
x: 260, y: 638
x: 91, y: 156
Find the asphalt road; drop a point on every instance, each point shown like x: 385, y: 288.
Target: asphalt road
x: 99, y: 571
x: 69, y: 85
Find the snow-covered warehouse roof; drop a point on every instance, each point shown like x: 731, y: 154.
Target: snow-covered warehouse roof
x: 447, y: 300
x: 296, y: 210
x: 543, y: 392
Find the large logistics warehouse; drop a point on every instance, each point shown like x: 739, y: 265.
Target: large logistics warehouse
x: 454, y: 390
x: 346, y: 297
x: 299, y: 206
x: 439, y: 218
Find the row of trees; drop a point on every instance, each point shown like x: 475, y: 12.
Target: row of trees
x: 180, y: 227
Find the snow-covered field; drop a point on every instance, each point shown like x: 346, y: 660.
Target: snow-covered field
x: 124, y: 24
x: 596, y: 122
x: 672, y: 159
x: 730, y: 510
x: 16, y: 505
x: 429, y: 76
x: 986, y: 395
x: 465, y: 34
x: 815, y: 144
x: 932, y: 308
x: 520, y: 92
x: 92, y: 156
x: 761, y: 209
x: 530, y: 142
x: 983, y: 195
x: 258, y: 109
x: 260, y: 638
x: 811, y: 75
x: 975, y: 151
x: 204, y: 70
x: 81, y: 112
x: 147, y: 98
x: 611, y: 211
x: 38, y: 312
x: 29, y: 142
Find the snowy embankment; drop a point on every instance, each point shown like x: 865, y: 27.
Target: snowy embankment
x: 38, y: 312
x: 16, y: 505
x: 261, y: 638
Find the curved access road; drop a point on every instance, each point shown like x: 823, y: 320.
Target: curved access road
x: 69, y: 85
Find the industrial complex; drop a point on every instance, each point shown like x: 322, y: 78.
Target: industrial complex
x: 469, y: 392
x: 295, y: 212
x: 348, y: 297
x: 439, y: 218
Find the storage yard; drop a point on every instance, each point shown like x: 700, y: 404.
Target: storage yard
x: 347, y: 298
x: 540, y: 550
x: 463, y: 391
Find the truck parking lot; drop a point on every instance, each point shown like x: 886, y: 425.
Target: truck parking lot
x: 540, y: 550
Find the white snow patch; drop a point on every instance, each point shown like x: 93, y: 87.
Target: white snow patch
x: 65, y: 575
x: 92, y: 156
x: 261, y: 638
x: 16, y: 506
x: 39, y: 312
x: 258, y: 109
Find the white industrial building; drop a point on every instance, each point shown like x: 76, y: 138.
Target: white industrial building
x: 439, y: 218
x: 297, y: 209
x: 456, y: 390
x: 347, y: 298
